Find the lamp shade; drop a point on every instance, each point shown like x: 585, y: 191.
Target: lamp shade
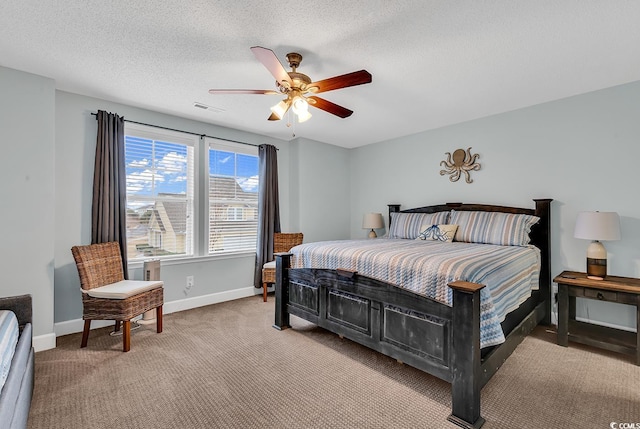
x: 299, y: 105
x: 597, y: 226
x: 303, y: 116
x: 372, y: 221
x: 281, y: 108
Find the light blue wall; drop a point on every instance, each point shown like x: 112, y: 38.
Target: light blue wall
x: 320, y: 190
x: 75, y: 149
x: 581, y: 151
x: 27, y: 191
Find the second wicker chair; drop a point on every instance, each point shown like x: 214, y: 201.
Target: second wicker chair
x: 282, y: 242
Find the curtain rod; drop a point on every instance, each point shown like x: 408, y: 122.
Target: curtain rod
x: 186, y: 132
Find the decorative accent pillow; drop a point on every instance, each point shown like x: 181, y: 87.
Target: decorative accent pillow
x: 505, y: 229
x: 444, y: 233
x: 407, y: 225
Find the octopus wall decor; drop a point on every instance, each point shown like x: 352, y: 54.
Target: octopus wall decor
x: 458, y: 163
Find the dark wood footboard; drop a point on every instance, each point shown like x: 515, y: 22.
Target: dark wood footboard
x: 439, y: 339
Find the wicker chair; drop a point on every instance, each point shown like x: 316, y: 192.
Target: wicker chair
x: 282, y: 242
x: 106, y: 295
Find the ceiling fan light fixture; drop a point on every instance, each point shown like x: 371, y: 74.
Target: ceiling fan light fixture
x: 300, y: 105
x: 280, y: 109
x: 303, y: 116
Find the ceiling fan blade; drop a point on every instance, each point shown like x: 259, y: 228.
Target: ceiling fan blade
x: 273, y: 117
x: 330, y: 107
x: 342, y: 81
x: 269, y: 59
x: 242, y: 91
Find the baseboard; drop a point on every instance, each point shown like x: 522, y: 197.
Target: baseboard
x: 72, y: 326
x: 77, y: 325
x: 608, y: 325
x: 201, y: 301
x: 554, y: 321
x: 44, y: 342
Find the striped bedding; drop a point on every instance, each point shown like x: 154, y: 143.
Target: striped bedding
x: 426, y: 267
x: 8, y: 340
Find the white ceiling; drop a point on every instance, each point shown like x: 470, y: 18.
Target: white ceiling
x: 434, y: 63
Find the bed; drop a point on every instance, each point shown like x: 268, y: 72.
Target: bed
x: 441, y: 334
x: 17, y: 351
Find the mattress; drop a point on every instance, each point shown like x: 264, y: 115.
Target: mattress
x: 9, y: 334
x: 426, y: 267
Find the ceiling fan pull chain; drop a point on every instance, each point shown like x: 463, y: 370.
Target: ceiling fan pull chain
x: 291, y: 123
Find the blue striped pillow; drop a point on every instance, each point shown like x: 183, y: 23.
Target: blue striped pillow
x: 408, y: 225
x: 505, y: 229
x: 8, y: 340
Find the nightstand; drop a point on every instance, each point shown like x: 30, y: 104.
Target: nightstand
x: 623, y: 290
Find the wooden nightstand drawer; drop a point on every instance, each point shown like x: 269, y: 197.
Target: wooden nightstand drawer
x: 603, y: 295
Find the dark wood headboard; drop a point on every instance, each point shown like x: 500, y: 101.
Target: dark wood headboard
x: 540, y: 232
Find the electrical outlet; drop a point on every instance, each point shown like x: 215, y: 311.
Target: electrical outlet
x: 190, y: 282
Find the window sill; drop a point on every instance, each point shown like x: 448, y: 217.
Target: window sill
x: 191, y: 259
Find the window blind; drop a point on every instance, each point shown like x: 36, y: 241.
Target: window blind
x: 233, y: 196
x: 160, y: 192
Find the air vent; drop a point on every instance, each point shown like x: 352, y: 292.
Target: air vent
x: 203, y: 106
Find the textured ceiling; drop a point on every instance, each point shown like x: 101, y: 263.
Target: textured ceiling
x: 434, y: 63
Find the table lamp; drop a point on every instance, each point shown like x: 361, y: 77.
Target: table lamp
x: 372, y: 221
x: 597, y: 226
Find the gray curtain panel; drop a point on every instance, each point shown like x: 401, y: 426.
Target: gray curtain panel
x: 268, y: 208
x: 108, y: 211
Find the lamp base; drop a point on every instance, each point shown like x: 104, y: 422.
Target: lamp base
x: 372, y: 234
x: 596, y: 269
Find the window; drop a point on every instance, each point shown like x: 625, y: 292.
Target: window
x: 164, y: 204
x: 160, y: 192
x: 235, y: 213
x: 233, y: 197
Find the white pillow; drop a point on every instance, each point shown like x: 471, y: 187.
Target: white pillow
x: 442, y: 232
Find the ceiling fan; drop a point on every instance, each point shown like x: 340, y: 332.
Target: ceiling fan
x: 298, y: 88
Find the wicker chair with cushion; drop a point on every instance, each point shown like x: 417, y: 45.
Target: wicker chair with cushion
x: 106, y: 295
x: 282, y: 242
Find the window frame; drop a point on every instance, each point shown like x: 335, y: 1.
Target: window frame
x: 190, y: 141
x: 235, y: 214
x: 201, y: 203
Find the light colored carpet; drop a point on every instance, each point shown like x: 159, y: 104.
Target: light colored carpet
x: 224, y: 366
